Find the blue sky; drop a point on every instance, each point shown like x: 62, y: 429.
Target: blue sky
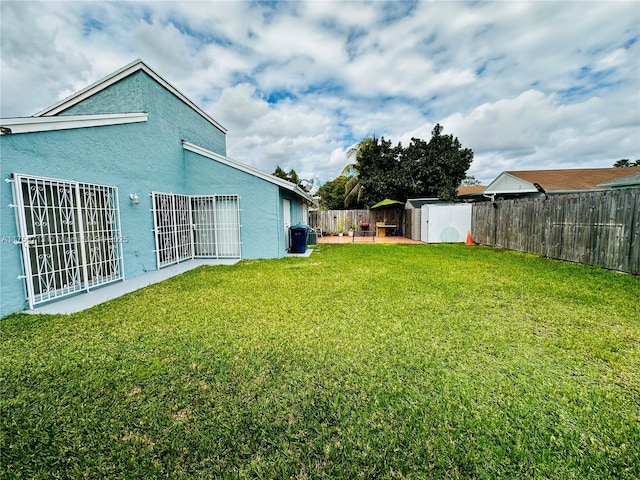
x: 526, y: 85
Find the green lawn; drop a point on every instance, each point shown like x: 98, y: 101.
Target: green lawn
x: 361, y: 361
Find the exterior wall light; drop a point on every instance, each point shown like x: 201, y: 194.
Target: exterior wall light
x: 134, y: 198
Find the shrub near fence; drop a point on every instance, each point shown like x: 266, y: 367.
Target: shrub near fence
x: 594, y: 228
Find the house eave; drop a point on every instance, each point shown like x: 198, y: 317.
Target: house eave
x: 508, y: 192
x: 115, y: 77
x: 19, y: 125
x: 248, y: 169
x: 584, y: 190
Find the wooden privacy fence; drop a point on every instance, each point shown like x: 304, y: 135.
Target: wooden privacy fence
x: 340, y: 220
x: 595, y: 228
x: 335, y: 221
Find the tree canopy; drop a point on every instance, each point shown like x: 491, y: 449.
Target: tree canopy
x: 625, y: 162
x: 333, y: 197
x: 470, y: 181
x: 290, y: 176
x: 422, y: 169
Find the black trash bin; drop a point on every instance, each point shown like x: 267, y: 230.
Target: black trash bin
x: 299, y: 238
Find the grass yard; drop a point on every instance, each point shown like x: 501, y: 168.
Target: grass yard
x: 361, y: 361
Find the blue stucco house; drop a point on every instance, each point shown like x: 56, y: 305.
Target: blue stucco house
x: 124, y: 178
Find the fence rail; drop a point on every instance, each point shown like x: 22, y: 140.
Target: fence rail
x: 594, y: 228
x: 340, y: 220
x: 336, y: 221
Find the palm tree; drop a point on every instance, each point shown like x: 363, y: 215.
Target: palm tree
x: 353, y: 187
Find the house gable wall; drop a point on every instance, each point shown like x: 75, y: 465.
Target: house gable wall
x: 140, y: 93
x: 508, y: 183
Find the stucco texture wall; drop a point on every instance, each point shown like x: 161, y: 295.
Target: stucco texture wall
x: 140, y: 93
x: 120, y: 156
x: 262, y: 230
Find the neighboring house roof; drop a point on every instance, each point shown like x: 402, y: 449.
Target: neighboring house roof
x: 628, y: 181
x: 250, y: 170
x: 133, y: 67
x: 470, y: 189
x: 45, y: 124
x: 556, y: 181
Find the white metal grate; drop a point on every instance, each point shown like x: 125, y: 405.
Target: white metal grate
x: 204, y: 226
x: 196, y: 226
x: 228, y: 225
x: 184, y: 239
x: 69, y: 234
x: 164, y: 228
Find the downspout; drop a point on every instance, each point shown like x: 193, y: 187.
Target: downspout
x: 280, y: 223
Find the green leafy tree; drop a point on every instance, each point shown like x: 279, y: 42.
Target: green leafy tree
x: 434, y: 168
x: 353, y: 188
x: 279, y: 172
x: 438, y: 166
x: 470, y: 181
x: 332, y: 195
x: 625, y: 162
x: 290, y: 176
x: 378, y: 170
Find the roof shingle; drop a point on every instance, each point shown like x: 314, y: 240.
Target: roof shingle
x: 575, y: 178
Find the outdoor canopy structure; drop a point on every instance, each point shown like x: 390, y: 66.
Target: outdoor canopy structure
x: 388, y: 203
x: 389, y: 224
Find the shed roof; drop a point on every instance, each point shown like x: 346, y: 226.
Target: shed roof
x: 418, y: 202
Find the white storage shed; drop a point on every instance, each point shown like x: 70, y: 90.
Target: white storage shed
x: 445, y: 223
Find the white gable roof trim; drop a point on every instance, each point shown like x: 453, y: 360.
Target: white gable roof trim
x: 115, y: 77
x: 247, y: 169
x: 507, y: 183
x: 66, y: 122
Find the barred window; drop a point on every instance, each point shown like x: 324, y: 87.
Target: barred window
x: 195, y: 226
x: 69, y: 234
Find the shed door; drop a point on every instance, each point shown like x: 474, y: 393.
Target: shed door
x: 445, y: 223
x: 286, y: 208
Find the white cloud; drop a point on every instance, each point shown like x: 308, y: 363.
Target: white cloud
x: 525, y: 84
x: 238, y: 107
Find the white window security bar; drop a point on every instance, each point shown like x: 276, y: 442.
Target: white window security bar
x: 164, y: 229
x: 183, y: 229
x: 204, y: 226
x: 228, y: 225
x: 69, y: 233
x: 195, y: 226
